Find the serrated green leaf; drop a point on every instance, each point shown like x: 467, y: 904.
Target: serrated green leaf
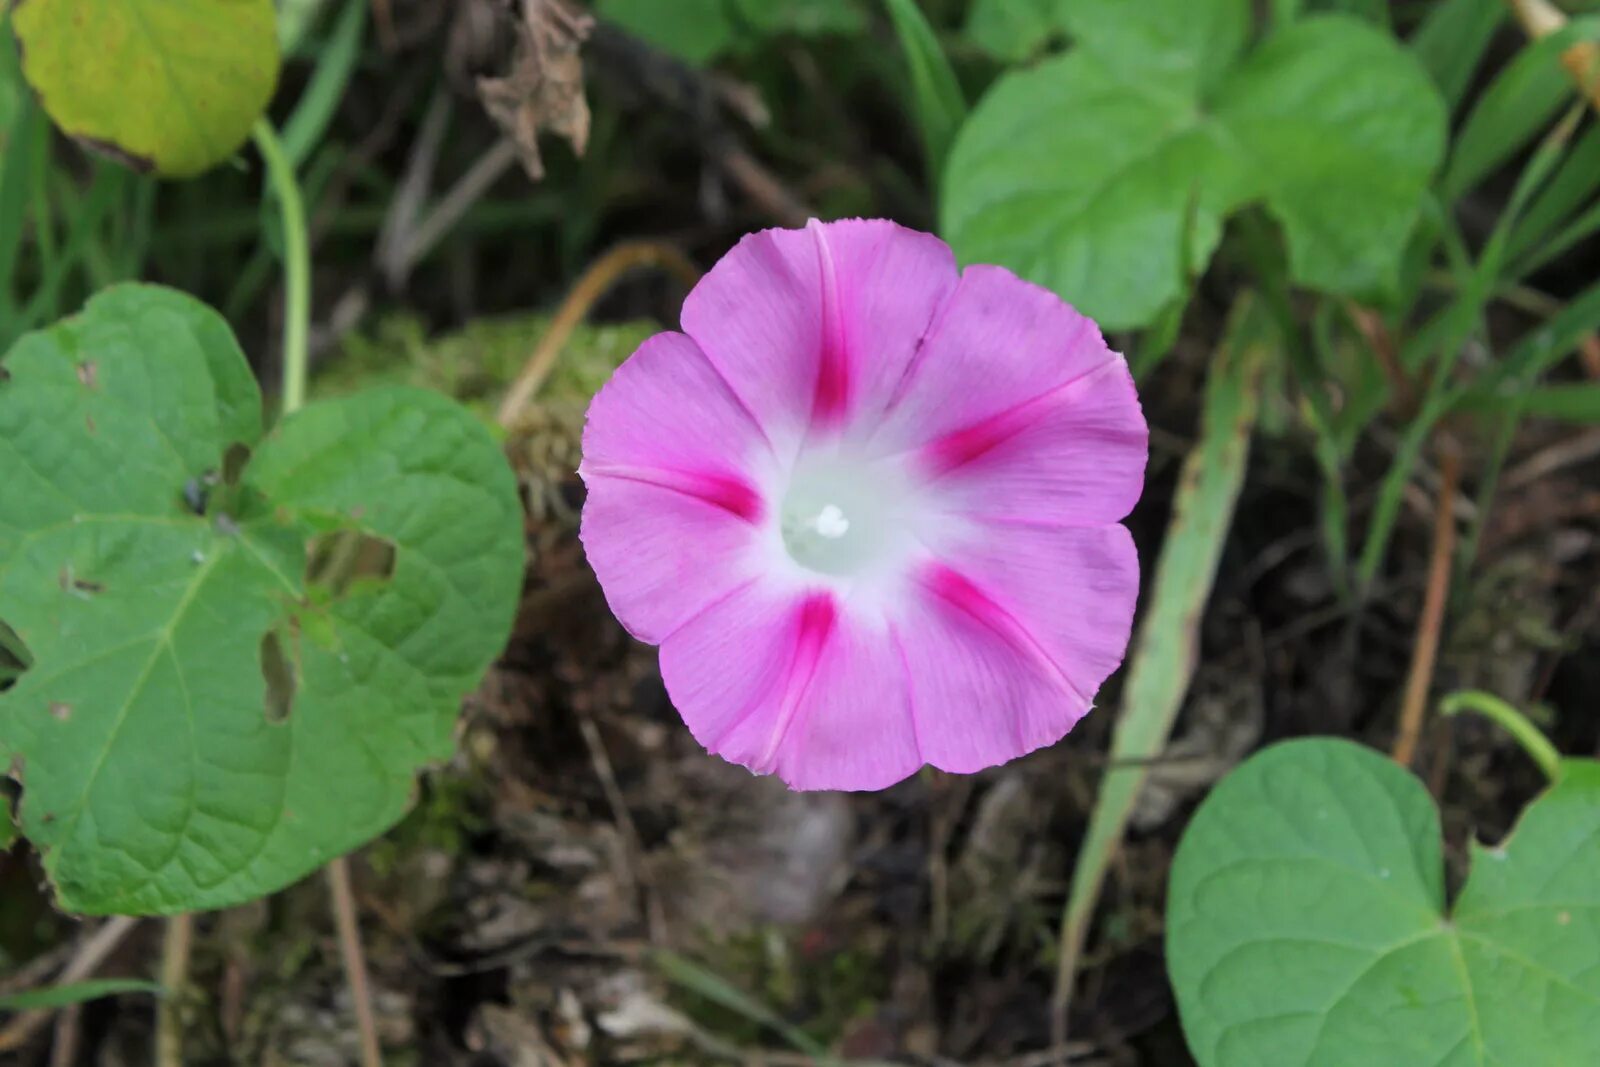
x: 1307, y: 922
x: 154, y: 779
x: 166, y: 85
x: 1102, y: 177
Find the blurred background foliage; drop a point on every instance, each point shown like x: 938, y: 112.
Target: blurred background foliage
x: 578, y: 886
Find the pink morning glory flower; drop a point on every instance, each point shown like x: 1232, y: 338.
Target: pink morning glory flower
x: 868, y: 505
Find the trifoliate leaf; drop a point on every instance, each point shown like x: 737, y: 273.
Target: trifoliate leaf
x: 1307, y: 922
x: 1106, y: 174
x: 200, y: 722
x: 171, y: 86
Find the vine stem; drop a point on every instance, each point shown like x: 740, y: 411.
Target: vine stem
x: 296, y: 360
x: 296, y: 266
x: 1514, y: 722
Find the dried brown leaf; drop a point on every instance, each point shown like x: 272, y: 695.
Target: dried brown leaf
x: 542, y: 88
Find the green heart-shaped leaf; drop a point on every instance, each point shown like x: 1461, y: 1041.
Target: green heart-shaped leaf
x: 199, y: 723
x: 1106, y: 174
x: 166, y: 85
x: 1306, y: 922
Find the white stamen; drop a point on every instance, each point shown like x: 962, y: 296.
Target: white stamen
x: 830, y: 523
x: 847, y: 517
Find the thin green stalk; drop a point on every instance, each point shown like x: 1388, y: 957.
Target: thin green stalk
x: 136, y: 249
x: 1512, y: 721
x: 1446, y: 335
x: 44, y: 225
x: 1310, y: 378
x: 296, y: 267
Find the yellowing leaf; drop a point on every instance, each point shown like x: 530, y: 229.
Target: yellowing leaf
x: 171, y: 86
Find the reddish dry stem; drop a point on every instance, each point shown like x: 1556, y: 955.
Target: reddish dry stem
x: 595, y: 283
x: 1419, y: 680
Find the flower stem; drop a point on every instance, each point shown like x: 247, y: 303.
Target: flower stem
x: 296, y: 266
x: 1514, y: 722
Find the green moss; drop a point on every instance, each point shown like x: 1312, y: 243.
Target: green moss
x: 475, y: 365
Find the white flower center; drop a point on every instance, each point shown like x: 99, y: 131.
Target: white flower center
x: 847, y: 519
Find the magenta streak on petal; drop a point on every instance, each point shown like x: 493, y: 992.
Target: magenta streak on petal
x: 960, y: 447
x: 831, y: 400
x: 961, y: 593
x: 812, y: 627
x: 728, y: 492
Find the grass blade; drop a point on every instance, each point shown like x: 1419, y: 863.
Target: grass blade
x: 1577, y: 402
x: 1163, y: 657
x: 315, y: 110
x: 1572, y: 186
x: 18, y: 117
x: 935, y: 93
x: 689, y: 975
x: 1452, y: 40
x: 1444, y: 336
x: 76, y: 993
x: 1520, y: 102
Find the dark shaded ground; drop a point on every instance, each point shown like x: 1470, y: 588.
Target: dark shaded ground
x: 583, y: 885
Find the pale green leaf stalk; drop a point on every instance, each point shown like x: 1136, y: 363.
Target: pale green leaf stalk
x: 296, y: 266
x: 1164, y: 653
x: 1512, y: 721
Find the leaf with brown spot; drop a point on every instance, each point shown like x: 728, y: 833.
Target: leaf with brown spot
x: 166, y: 744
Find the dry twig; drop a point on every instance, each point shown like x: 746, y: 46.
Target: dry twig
x: 355, y: 960
x: 594, y: 284
x: 175, y: 950
x: 1424, y: 656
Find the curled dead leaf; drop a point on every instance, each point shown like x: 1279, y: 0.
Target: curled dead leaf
x: 541, y: 88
